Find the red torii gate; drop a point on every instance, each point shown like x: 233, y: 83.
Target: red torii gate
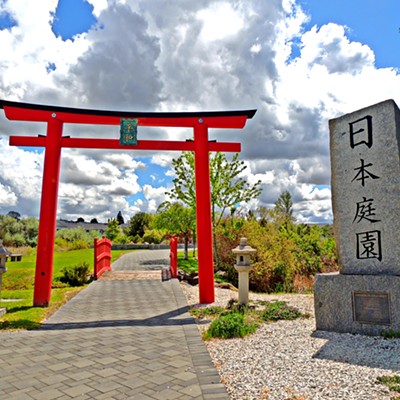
x: 53, y: 142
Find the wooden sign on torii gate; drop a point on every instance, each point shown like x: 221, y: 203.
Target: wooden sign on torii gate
x: 53, y: 142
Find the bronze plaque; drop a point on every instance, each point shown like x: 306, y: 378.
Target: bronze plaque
x: 371, y: 308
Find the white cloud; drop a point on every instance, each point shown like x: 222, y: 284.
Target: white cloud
x: 98, y: 6
x: 212, y: 17
x: 20, y: 180
x: 154, y: 196
x: 7, y: 197
x: 163, y: 160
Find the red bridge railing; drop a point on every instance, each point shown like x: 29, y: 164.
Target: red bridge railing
x: 173, y: 257
x: 102, y: 256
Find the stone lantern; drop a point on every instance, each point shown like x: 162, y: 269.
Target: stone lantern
x: 4, y: 253
x: 243, y: 267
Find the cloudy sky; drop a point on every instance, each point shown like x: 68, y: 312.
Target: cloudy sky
x: 299, y: 62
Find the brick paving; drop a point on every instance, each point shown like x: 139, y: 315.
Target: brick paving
x: 117, y: 339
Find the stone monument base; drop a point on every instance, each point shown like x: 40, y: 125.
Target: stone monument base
x: 364, y: 304
x: 3, y: 310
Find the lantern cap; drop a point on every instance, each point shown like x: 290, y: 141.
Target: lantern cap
x: 243, y: 248
x: 3, y: 250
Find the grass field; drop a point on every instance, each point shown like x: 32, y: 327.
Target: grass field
x: 189, y: 265
x: 17, y: 288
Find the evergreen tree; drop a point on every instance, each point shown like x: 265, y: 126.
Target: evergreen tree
x: 120, y: 218
x: 113, y: 230
x: 284, y: 206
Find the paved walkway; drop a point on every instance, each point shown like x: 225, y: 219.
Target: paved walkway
x: 122, y: 339
x: 149, y: 260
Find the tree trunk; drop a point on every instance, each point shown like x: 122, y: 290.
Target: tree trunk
x: 194, y: 243
x: 216, y: 259
x: 186, y: 248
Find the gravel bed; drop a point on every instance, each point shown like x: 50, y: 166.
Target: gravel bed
x: 291, y: 360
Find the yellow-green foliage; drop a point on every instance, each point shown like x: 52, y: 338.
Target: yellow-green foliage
x: 75, y: 239
x: 288, y: 255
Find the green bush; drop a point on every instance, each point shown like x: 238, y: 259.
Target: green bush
x: 155, y: 236
x: 391, y: 334
x: 203, y: 312
x: 121, y: 239
x: 75, y: 239
x: 288, y: 255
x: 234, y: 306
x: 18, y: 232
x: 278, y: 310
x: 78, y: 275
x: 239, y: 320
x: 392, y: 382
x: 135, y: 239
x: 229, y: 326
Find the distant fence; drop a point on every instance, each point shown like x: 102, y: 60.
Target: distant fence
x: 145, y: 246
x: 102, y: 256
x: 140, y: 246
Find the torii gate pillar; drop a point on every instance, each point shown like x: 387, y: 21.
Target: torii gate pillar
x: 48, y: 215
x: 203, y: 214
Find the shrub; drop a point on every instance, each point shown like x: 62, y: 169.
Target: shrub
x: 235, y: 307
x: 121, y: 239
x: 203, y: 312
x: 239, y: 320
x: 391, y: 334
x: 229, y: 326
x: 279, y: 310
x: 155, y: 236
x: 288, y: 255
x: 78, y: 275
x: 135, y: 239
x: 73, y: 239
x: 392, y: 382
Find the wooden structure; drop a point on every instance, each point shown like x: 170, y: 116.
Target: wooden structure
x: 173, y: 257
x: 102, y: 256
x: 55, y: 118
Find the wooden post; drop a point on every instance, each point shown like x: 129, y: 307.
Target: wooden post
x: 173, y: 244
x: 48, y: 214
x: 203, y: 214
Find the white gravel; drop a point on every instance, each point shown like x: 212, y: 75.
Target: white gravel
x: 291, y: 360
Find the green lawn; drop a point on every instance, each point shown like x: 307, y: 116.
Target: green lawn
x: 18, y: 285
x: 189, y: 265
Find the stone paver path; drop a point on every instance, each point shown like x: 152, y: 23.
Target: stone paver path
x: 139, y: 260
x: 117, y: 339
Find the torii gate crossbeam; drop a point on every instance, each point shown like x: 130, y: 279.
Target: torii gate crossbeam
x: 53, y: 142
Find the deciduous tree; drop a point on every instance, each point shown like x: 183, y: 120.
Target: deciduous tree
x: 228, y: 187
x: 177, y: 220
x: 138, y: 224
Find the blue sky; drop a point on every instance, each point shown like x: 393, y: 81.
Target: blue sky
x: 180, y: 57
x: 371, y: 22
x: 73, y: 17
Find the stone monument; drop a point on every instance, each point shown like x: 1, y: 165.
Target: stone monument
x: 364, y: 297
